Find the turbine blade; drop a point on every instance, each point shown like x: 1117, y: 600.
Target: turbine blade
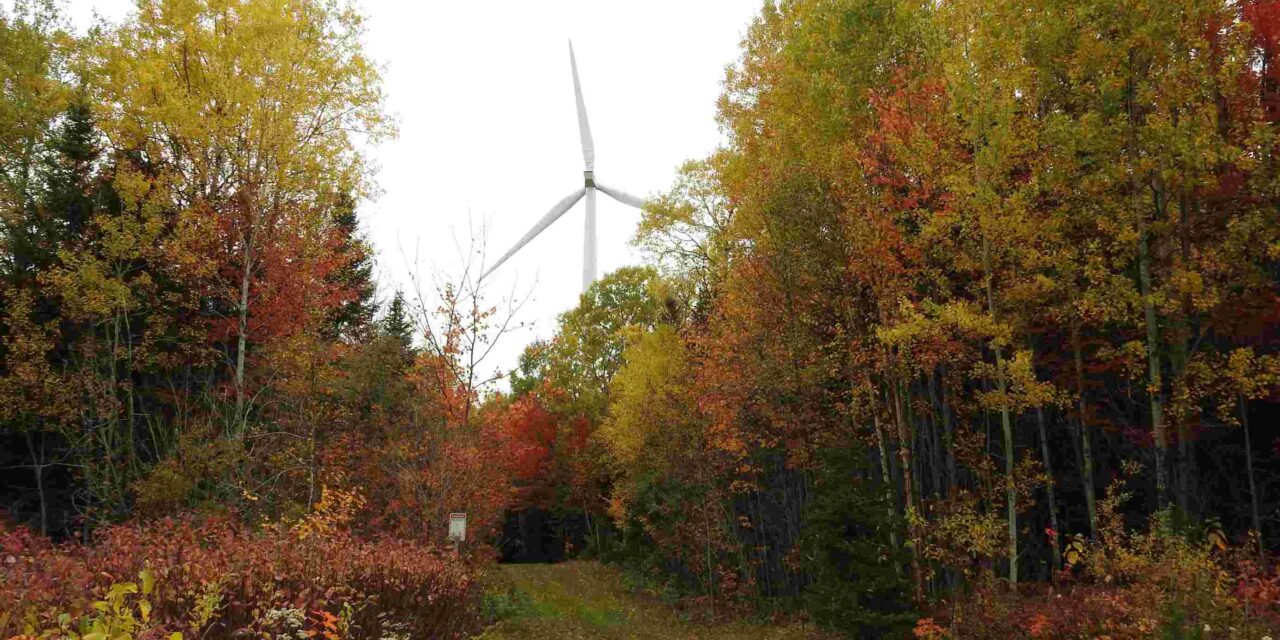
x: 551, y: 216
x: 620, y: 195
x: 584, y: 127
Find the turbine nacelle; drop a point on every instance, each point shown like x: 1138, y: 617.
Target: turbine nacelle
x: 588, y: 191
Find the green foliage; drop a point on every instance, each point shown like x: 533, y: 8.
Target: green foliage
x: 200, y: 473
x: 591, y: 337
x: 398, y: 324
x: 504, y: 602
x: 530, y: 369
x: 857, y: 582
x: 352, y: 319
x: 683, y: 231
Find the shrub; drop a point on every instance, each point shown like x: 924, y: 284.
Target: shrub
x: 215, y: 577
x: 1155, y: 583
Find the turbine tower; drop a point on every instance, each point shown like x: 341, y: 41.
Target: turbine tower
x: 588, y: 190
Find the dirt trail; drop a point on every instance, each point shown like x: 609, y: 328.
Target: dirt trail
x: 578, y: 600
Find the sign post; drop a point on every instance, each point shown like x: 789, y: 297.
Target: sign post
x: 457, y: 529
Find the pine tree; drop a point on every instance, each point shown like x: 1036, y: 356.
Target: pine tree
x: 397, y: 324
x: 352, y: 319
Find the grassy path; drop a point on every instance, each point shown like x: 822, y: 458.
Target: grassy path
x: 580, y: 600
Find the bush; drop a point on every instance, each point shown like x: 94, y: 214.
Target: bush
x: 215, y: 577
x: 1156, y: 583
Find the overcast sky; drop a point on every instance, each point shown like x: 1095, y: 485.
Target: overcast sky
x: 483, y: 96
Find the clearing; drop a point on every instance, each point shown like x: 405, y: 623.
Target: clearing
x: 583, y: 600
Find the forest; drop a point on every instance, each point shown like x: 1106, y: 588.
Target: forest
x: 969, y: 329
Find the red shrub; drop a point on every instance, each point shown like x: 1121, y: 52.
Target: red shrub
x: 215, y: 577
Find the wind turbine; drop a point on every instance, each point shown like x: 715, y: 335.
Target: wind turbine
x: 591, y: 184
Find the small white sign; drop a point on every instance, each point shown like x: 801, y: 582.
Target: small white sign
x: 458, y: 527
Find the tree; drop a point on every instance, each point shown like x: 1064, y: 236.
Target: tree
x: 32, y: 64
x: 248, y: 110
x: 992, y: 93
x: 46, y: 145
x: 684, y: 231
x: 397, y: 323
x: 352, y: 318
x: 591, y: 337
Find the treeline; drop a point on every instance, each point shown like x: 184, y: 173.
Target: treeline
x: 188, y: 314
x: 210, y: 424
x: 968, y: 278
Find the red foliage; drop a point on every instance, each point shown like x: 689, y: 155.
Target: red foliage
x: 1094, y: 610
x: 533, y: 432
x: 292, y: 261
x: 545, y: 449
x: 392, y: 586
x: 1263, y: 17
x: 1260, y: 588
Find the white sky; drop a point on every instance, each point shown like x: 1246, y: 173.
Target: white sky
x: 483, y: 96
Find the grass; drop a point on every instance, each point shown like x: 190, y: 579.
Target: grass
x: 587, y: 600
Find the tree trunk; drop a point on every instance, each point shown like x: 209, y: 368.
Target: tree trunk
x: 242, y: 333
x: 1049, y: 488
x: 948, y: 436
x: 887, y: 477
x: 935, y: 439
x: 1011, y: 494
x: 919, y: 446
x: 1248, y: 465
x: 908, y: 493
x: 1181, y: 355
x: 1155, y: 381
x: 37, y: 467
x: 1086, y: 450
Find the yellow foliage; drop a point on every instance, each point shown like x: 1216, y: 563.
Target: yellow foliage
x: 648, y: 394
x: 333, y: 512
x: 1023, y: 390
x: 259, y: 97
x: 30, y: 389
x: 962, y: 536
x: 123, y: 613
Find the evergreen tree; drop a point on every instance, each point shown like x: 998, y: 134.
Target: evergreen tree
x: 353, y: 318
x: 397, y: 325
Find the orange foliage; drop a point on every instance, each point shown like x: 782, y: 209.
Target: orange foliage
x: 291, y: 261
x: 533, y: 431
